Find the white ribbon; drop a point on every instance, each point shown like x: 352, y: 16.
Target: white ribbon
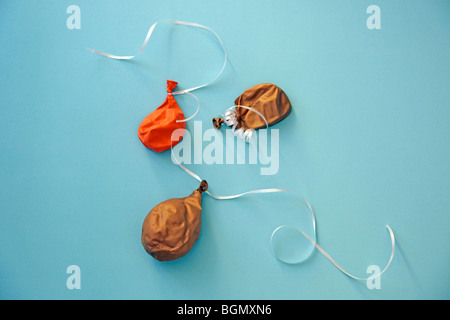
x: 198, y: 105
x: 310, y: 239
x: 147, y: 39
x: 230, y: 120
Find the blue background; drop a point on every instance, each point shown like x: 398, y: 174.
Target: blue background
x: 367, y: 144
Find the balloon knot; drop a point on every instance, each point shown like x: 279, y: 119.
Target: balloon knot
x: 217, y: 122
x: 203, y: 186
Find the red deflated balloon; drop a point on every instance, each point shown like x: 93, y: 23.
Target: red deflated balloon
x: 155, y: 131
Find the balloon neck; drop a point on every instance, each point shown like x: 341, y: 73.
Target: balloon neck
x: 203, y: 186
x: 217, y: 122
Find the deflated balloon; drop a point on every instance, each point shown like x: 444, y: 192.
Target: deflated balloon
x: 171, y: 228
x: 266, y: 98
x: 155, y: 131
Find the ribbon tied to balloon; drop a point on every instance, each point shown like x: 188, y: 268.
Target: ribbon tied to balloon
x: 257, y: 107
x: 155, y: 131
x: 172, y: 227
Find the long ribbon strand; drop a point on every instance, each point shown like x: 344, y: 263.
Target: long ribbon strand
x: 247, y: 137
x: 310, y: 239
x: 146, y: 41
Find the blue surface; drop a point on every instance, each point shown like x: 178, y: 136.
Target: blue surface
x: 367, y: 144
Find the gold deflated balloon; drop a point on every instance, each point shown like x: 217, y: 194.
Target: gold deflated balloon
x: 266, y: 98
x: 171, y: 229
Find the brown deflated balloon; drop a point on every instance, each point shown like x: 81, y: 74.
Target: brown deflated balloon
x: 267, y: 99
x: 171, y: 228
